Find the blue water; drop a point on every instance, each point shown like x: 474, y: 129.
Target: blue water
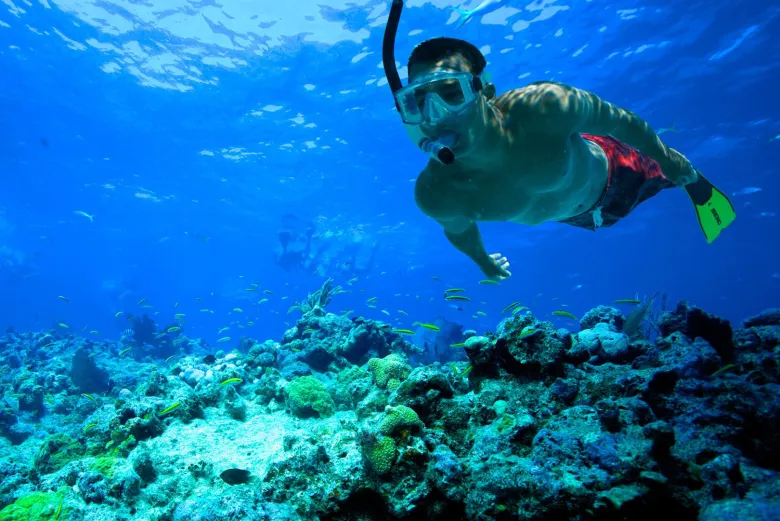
x: 190, y: 129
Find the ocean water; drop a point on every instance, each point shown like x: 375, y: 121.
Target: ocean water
x: 207, y: 165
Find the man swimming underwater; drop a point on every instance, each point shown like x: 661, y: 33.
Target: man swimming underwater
x: 540, y: 153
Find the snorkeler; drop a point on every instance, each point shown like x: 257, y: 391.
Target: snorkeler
x: 295, y: 248
x: 546, y: 152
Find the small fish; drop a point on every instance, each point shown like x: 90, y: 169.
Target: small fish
x: 488, y: 281
x: 402, y: 331
x: 372, y: 299
x: 169, y: 358
x: 178, y: 315
x: 453, y: 290
x: 430, y: 327
x: 178, y: 341
x: 672, y: 129
x: 90, y: 397
x: 747, y: 191
x: 123, y: 351
x: 456, y: 297
x: 485, y: 7
x: 250, y: 289
x: 565, y: 314
x: 385, y: 312
x: 481, y: 313
x: 173, y: 329
x: 268, y: 292
x: 238, y: 310
x: 510, y: 306
x: 527, y: 331
x: 352, y: 281
x: 64, y: 326
x: 224, y: 339
x: 222, y: 330
x: 627, y: 301
x: 85, y: 214
x: 63, y: 298
x: 142, y: 301
x: 263, y: 300
x: 459, y: 344
x: 94, y: 332
x: 232, y: 381
x: 118, y: 314
x: 169, y: 408
x: 518, y: 309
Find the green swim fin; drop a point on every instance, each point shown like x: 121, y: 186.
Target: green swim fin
x: 713, y: 208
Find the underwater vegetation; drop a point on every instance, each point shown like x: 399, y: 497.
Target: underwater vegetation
x: 674, y: 413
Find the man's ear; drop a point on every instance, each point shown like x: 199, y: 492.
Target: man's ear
x: 489, y: 91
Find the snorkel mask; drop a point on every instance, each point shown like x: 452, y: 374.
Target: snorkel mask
x: 432, y: 98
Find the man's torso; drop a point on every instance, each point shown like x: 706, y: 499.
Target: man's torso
x: 542, y: 178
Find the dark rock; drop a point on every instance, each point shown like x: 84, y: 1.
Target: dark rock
x: 86, y: 375
x: 662, y: 436
x: 693, y: 322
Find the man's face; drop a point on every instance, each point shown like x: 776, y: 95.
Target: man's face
x: 461, y: 124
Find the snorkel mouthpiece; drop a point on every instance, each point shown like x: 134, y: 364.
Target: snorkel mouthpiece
x: 439, y: 149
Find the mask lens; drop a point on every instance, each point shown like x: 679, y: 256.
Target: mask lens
x: 448, y: 89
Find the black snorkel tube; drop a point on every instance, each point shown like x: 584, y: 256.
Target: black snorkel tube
x: 438, y: 149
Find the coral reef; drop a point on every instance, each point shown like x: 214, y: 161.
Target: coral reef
x: 339, y: 420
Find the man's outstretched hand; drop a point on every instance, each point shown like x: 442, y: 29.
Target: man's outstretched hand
x: 496, y: 268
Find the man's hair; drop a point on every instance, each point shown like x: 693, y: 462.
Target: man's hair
x: 437, y: 48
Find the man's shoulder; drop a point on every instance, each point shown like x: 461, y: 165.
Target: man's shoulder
x: 541, y: 102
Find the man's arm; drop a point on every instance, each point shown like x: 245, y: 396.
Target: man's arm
x: 463, y: 233
x: 567, y: 109
x: 465, y: 236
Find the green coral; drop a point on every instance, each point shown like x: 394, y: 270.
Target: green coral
x: 505, y: 423
x: 307, y: 396
x: 38, y: 506
x: 398, y: 419
x: 381, y: 454
x: 57, y: 451
x: 105, y: 466
x: 389, y: 372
